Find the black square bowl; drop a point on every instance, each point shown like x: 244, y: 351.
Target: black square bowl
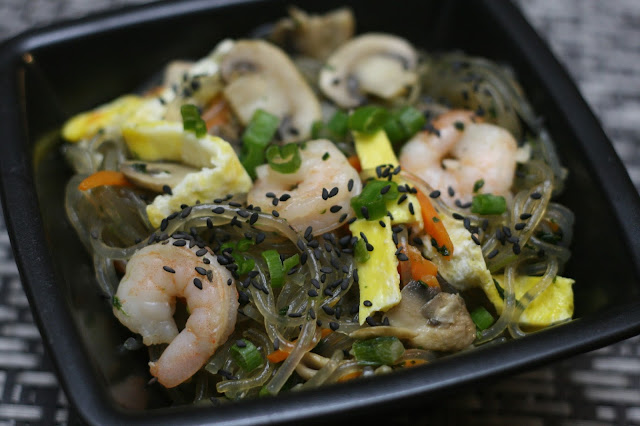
x: 49, y: 74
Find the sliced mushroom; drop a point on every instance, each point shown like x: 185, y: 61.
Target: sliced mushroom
x: 441, y: 322
x: 383, y: 330
x: 261, y: 76
x: 314, y: 35
x: 155, y: 176
x: 381, y: 65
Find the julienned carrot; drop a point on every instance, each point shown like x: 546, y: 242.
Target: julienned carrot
x: 350, y: 376
x: 355, y: 163
x: 422, y: 269
x: 434, y: 227
x: 102, y: 178
x: 277, y: 356
x: 325, y: 332
x: 217, y: 112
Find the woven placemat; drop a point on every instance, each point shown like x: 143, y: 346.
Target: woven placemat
x: 599, y: 43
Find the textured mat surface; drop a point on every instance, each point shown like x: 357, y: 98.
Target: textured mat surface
x: 599, y: 43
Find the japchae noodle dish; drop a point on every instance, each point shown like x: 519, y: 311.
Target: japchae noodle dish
x: 313, y: 206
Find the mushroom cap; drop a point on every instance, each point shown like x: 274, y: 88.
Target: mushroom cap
x: 259, y: 75
x: 382, y: 65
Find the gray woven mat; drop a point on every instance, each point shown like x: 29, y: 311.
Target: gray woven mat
x: 599, y: 43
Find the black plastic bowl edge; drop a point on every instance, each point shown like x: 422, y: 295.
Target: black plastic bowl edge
x: 59, y: 333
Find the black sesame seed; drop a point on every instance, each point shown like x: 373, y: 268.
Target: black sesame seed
x: 303, y: 258
x: 384, y: 225
x: 326, y: 270
x: 411, y: 209
x: 525, y: 216
x: 434, y: 194
x: 385, y: 189
x: 312, y: 293
x: 333, y: 192
x: 335, y: 209
x: 295, y: 315
x: 254, y: 218
x: 451, y: 191
x: 270, y: 195
x: 493, y: 254
x: 197, y: 283
x: 402, y: 199
x: 180, y: 243
x: 328, y: 310
x: 260, y: 237
x: 313, y: 244
x: 367, y: 303
x: 506, y: 230
x: 365, y: 212
x: 230, y: 281
x: 342, y: 217
x: 206, y: 261
x: 458, y: 216
x: 234, y: 204
x: 370, y: 247
x: 186, y: 212
x: 334, y: 325
x: 519, y: 226
x: 475, y: 239
x: 218, y: 210
x: 243, y: 213
x: 275, y: 213
x: 350, y: 185
x: 241, y: 343
x: 350, y: 221
x: 536, y: 195
x: 516, y: 248
x: 371, y: 322
x: 169, y: 269
x: 285, y: 197
x: 201, y: 252
x: 402, y: 257
x: 325, y: 194
x: 201, y: 270
x: 274, y: 201
x: 167, y: 189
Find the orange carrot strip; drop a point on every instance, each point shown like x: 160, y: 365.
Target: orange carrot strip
x: 433, y: 225
x: 355, y: 163
x: 104, y: 177
x: 430, y: 280
x: 413, y: 362
x: 325, y: 332
x: 350, y: 376
x: 419, y: 265
x: 217, y: 112
x: 277, y: 356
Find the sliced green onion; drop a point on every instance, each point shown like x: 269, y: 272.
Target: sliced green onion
x: 276, y: 271
x: 477, y: 185
x: 394, y: 130
x: 290, y: 262
x: 378, y: 351
x: 191, y: 120
x: 318, y: 130
x: 244, y: 244
x: 488, y: 204
x: 339, y: 124
x: 248, y: 358
x: 372, y: 199
x: 412, y: 120
x: 361, y: 253
x: 368, y: 119
x: 482, y: 318
x: 284, y: 159
x: 260, y: 131
x: 245, y: 264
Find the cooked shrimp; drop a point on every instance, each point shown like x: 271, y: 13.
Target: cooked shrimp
x: 460, y: 154
x: 155, y: 277
x: 320, y: 190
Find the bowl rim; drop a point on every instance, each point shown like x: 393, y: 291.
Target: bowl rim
x: 72, y: 363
